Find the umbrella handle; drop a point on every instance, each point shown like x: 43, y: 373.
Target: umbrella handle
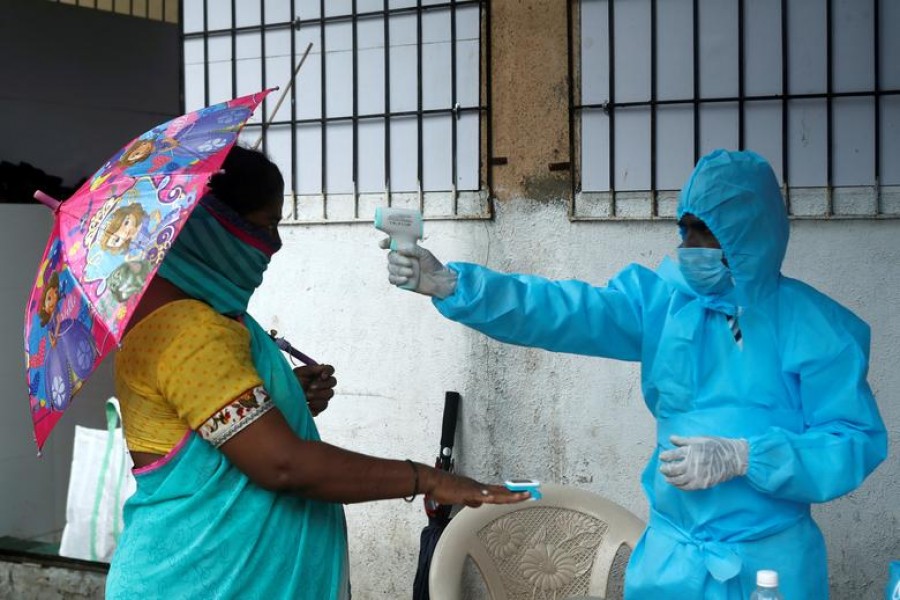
x: 48, y: 201
x: 448, y: 429
x: 286, y: 346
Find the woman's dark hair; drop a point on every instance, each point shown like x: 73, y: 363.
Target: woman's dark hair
x: 250, y: 181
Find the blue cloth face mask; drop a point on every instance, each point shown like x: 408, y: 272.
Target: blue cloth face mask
x: 704, y: 271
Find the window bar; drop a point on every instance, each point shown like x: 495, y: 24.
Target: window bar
x: 741, y: 77
x: 484, y: 74
x: 323, y: 112
x: 696, y: 58
x: 785, y: 104
x: 573, y: 158
x: 454, y: 115
x: 165, y: 11
x: 295, y: 178
x: 387, y: 103
x: 428, y: 112
x: 181, y: 70
x: 654, y: 197
x: 262, y: 60
x: 342, y: 17
x: 876, y: 49
x: 233, y: 50
x: 205, y: 52
x: 829, y: 198
x: 419, y: 143
x: 355, y: 174
x: 610, y: 26
x: 734, y: 99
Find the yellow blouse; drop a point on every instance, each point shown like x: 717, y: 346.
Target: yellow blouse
x: 176, y: 368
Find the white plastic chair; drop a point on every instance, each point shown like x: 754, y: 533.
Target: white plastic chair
x: 571, y: 543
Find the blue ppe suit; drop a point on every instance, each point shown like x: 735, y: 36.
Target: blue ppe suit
x: 795, y: 389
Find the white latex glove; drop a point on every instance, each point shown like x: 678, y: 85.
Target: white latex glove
x: 699, y: 463
x: 434, y: 278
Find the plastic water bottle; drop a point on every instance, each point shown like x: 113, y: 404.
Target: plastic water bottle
x: 766, y: 586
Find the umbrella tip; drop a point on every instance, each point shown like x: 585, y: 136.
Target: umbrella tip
x: 47, y: 200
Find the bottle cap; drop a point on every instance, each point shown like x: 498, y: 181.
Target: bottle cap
x: 767, y: 579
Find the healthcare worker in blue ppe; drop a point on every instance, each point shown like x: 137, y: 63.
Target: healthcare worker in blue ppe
x: 757, y: 382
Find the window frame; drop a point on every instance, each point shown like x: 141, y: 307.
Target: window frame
x: 803, y: 202
x: 330, y: 207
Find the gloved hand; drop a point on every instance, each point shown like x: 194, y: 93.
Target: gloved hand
x: 434, y: 278
x: 699, y: 463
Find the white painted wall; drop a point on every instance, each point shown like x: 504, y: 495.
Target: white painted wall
x: 569, y: 419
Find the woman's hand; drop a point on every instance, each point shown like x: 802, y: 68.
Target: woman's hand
x: 318, y: 383
x: 447, y: 488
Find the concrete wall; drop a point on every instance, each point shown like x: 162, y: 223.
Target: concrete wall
x: 559, y: 418
x: 30, y: 581
x: 76, y: 85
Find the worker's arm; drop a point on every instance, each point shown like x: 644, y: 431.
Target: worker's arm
x: 562, y: 316
x: 844, y: 439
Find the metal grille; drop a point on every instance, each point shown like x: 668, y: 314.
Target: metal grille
x: 156, y: 10
x: 388, y: 109
x: 808, y: 84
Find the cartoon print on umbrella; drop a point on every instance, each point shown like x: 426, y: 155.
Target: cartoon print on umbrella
x: 129, y: 235
x: 155, y: 152
x: 128, y: 279
x: 69, y: 350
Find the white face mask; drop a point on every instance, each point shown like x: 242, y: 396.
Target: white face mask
x: 704, y: 271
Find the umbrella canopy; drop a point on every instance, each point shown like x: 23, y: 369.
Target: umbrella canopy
x: 106, y: 244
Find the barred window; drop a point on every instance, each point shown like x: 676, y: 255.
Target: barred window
x: 808, y: 84
x: 389, y: 106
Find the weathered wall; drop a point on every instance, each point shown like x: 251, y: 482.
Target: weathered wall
x: 559, y: 418
x: 530, y: 99
x: 30, y: 581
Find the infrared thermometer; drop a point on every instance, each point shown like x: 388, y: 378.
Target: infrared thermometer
x: 405, y: 227
x: 533, y: 486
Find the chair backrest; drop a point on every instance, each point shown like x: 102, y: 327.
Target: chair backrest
x: 570, y: 543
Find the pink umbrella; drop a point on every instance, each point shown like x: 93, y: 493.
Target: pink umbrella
x: 107, y: 242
